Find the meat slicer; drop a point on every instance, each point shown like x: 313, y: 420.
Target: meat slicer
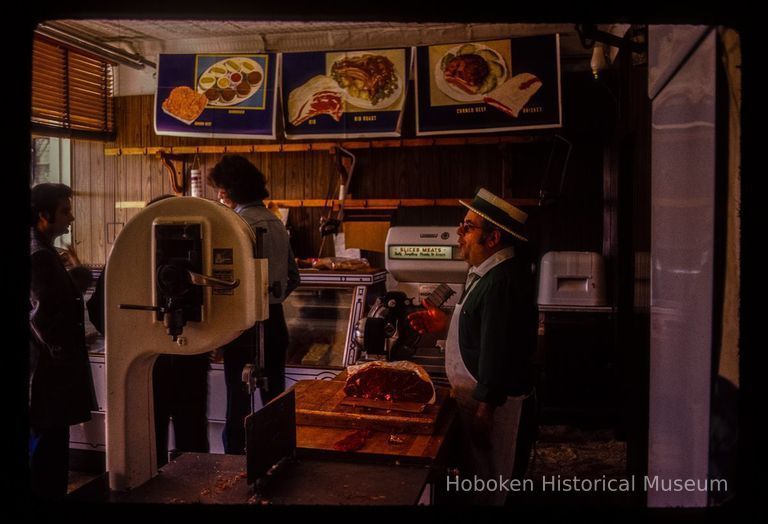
x: 182, y: 279
x: 423, y: 264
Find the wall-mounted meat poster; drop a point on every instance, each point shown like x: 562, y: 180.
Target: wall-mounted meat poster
x: 483, y: 87
x: 344, y: 94
x: 216, y: 95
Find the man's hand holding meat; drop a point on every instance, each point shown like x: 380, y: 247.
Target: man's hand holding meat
x: 431, y: 320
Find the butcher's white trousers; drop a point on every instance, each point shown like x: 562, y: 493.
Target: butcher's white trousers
x: 497, y: 461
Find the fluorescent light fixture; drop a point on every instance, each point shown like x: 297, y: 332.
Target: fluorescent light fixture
x: 86, y: 43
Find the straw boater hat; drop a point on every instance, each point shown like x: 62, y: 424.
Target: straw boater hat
x: 498, y: 212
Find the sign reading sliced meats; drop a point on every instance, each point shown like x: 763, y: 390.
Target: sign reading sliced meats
x: 514, y: 94
x: 321, y: 95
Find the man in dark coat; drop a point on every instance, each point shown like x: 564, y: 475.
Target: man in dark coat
x: 61, y: 387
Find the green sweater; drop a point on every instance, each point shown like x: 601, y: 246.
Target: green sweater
x: 497, y: 332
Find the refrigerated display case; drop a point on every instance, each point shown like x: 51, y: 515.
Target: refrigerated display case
x: 321, y: 315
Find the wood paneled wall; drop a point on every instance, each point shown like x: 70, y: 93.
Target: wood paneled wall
x: 511, y: 170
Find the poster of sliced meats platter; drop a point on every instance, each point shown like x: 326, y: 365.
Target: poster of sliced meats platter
x: 484, y: 87
x: 216, y: 95
x: 348, y: 94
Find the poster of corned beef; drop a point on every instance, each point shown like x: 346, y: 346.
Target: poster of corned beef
x: 491, y: 86
x: 216, y: 95
x: 346, y: 94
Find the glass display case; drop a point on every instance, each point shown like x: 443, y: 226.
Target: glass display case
x: 321, y: 315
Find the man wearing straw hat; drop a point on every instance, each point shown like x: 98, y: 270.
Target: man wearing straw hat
x: 490, y: 342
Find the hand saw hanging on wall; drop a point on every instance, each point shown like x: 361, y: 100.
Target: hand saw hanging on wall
x: 344, y: 162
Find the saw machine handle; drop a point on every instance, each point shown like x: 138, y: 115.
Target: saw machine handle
x: 205, y: 280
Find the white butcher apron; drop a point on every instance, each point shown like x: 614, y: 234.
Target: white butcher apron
x: 499, y: 459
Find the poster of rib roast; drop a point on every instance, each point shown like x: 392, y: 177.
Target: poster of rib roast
x: 490, y: 86
x: 344, y: 94
x: 216, y: 95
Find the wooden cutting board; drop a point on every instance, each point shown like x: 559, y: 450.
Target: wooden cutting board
x: 323, y: 403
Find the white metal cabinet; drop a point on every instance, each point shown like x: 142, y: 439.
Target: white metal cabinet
x: 91, y: 435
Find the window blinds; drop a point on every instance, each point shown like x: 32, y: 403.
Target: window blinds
x: 72, y: 93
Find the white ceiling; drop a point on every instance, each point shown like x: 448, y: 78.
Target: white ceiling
x: 149, y: 37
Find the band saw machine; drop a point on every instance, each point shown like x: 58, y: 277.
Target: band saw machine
x: 182, y: 279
